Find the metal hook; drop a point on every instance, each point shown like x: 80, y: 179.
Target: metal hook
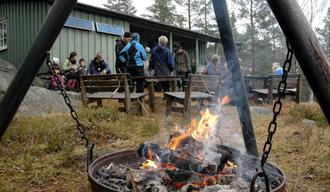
x: 254, y: 179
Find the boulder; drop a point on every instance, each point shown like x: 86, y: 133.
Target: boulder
x: 7, y: 74
x: 39, y: 101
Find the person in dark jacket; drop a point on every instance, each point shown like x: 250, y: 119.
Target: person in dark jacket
x: 134, y: 55
x: 182, y: 63
x: 161, y: 61
x: 98, y: 66
x: 120, y: 44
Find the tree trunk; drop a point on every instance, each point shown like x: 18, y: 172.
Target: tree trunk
x: 274, y: 44
x: 205, y: 17
x: 328, y: 44
x: 252, y: 38
x: 189, y: 14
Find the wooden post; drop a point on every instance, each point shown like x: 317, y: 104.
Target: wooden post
x: 312, y: 60
x: 127, y: 92
x: 151, y: 91
x: 171, y: 41
x: 229, y: 45
x: 197, y: 54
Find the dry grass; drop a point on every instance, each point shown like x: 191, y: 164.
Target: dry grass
x: 300, y: 149
x: 44, y: 153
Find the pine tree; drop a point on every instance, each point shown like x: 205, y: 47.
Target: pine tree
x: 206, y: 23
x: 164, y: 11
x: 123, y: 6
x: 191, y: 8
x: 261, y: 33
x: 324, y: 35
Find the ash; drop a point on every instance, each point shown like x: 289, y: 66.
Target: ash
x: 119, y: 178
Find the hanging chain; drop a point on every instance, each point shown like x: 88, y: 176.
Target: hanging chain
x: 67, y: 101
x: 273, y: 124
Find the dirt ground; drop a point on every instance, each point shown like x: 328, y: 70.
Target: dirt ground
x: 44, y: 153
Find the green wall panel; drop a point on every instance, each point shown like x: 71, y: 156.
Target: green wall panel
x: 24, y: 20
x: 87, y: 43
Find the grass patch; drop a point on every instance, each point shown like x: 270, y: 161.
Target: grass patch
x: 44, y: 153
x: 310, y: 111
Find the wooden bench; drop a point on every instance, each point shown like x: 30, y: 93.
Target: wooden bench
x: 271, y: 84
x: 198, y: 88
x: 95, y: 88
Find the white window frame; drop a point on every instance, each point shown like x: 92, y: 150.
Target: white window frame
x: 3, y: 34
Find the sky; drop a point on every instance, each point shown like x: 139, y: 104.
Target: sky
x: 319, y: 10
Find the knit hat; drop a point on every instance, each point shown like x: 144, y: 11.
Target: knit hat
x: 127, y: 34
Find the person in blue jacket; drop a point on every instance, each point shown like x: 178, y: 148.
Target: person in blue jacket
x: 134, y: 55
x: 277, y: 69
x: 98, y: 66
x: 161, y: 61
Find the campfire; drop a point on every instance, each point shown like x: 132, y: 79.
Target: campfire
x: 194, y: 159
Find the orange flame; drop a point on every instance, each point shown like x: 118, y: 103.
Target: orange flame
x: 225, y: 100
x: 229, y: 166
x: 198, y: 130
x: 148, y: 164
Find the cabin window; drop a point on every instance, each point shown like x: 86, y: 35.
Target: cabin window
x: 3, y: 34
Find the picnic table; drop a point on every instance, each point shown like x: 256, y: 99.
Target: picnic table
x: 151, y: 80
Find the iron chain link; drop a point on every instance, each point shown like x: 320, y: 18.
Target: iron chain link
x: 67, y: 101
x: 277, y: 107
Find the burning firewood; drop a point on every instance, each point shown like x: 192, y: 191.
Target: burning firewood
x: 141, y: 181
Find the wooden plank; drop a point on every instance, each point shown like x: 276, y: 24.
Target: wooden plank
x: 103, y: 83
x: 205, y: 77
x: 104, y: 77
x: 112, y: 95
x: 194, y: 95
x: 93, y: 89
x: 264, y: 91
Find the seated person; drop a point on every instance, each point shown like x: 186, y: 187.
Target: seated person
x: 70, y: 69
x: 213, y: 67
x: 70, y: 64
x: 83, y: 70
x: 98, y: 66
x: 277, y: 69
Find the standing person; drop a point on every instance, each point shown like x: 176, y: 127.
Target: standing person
x: 134, y: 55
x: 147, y: 71
x: 120, y: 44
x: 98, y: 66
x: 161, y: 61
x: 182, y: 63
x: 277, y: 69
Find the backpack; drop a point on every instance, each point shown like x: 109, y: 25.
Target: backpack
x: 130, y: 55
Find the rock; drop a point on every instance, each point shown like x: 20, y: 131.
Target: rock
x: 257, y: 110
x: 7, y: 74
x: 309, y: 122
x: 40, y: 101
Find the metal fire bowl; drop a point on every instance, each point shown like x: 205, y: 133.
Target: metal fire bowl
x: 130, y: 157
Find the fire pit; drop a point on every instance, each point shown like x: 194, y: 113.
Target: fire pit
x: 193, y: 160
x: 130, y: 160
